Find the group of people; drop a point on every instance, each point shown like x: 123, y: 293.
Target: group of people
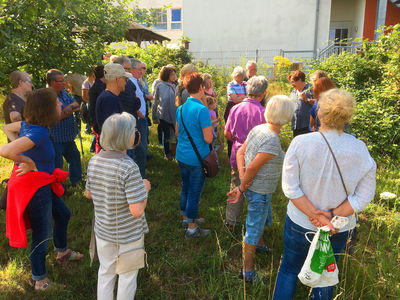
x: 325, y: 172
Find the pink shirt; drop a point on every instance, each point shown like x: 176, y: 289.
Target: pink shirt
x: 242, y: 118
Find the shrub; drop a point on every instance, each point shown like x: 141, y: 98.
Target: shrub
x: 373, y: 77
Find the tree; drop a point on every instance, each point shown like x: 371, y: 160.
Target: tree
x: 70, y: 35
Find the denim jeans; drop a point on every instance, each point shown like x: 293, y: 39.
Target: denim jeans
x: 43, y: 207
x: 166, y: 129
x: 193, y: 179
x: 294, y: 254
x: 140, y: 151
x: 73, y: 158
x: 259, y: 214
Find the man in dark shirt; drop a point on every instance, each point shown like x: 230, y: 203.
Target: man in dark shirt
x: 98, y: 87
x: 108, y: 103
x: 14, y: 105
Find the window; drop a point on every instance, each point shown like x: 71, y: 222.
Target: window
x: 160, y: 17
x: 176, y: 19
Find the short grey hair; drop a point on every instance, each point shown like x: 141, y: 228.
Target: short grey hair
x: 122, y: 60
x: 279, y: 110
x: 250, y: 62
x: 52, y: 75
x: 256, y: 85
x: 238, y: 71
x: 117, y: 132
x: 135, y: 63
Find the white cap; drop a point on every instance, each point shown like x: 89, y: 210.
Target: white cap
x: 112, y: 71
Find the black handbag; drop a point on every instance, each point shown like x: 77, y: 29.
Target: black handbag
x: 210, y: 163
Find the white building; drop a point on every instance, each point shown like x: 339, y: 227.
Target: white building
x: 223, y: 31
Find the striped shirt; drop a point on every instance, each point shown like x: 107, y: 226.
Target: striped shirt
x: 114, y: 181
x: 239, y: 89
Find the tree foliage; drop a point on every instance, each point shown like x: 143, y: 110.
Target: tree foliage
x: 373, y: 77
x: 70, y: 35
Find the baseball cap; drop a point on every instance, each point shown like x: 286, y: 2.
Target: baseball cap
x: 112, y: 71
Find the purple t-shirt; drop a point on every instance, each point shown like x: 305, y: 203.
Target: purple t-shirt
x: 243, y: 117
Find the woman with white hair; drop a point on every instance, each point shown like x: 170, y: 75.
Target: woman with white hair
x: 325, y: 174
x: 259, y: 162
x: 119, y: 196
x: 237, y: 92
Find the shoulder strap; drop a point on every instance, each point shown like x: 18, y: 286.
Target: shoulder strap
x: 191, y: 140
x: 337, y: 165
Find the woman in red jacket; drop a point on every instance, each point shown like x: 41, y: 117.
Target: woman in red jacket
x: 33, y: 151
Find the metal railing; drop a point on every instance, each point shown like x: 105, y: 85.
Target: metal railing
x: 337, y: 48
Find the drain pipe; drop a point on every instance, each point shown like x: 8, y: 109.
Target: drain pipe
x: 316, y: 29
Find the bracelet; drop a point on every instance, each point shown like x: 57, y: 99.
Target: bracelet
x: 240, y: 190
x: 332, y: 214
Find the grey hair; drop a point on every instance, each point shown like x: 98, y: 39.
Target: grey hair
x: 135, y: 62
x: 118, y: 132
x: 122, y: 60
x: 52, y: 75
x: 250, y: 62
x: 279, y: 110
x: 238, y: 71
x: 256, y: 85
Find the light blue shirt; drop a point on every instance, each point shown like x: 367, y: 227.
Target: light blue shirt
x: 140, y: 95
x: 196, y: 117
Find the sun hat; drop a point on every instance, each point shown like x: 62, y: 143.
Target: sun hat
x: 112, y: 71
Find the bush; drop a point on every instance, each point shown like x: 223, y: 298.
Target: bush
x: 373, y: 77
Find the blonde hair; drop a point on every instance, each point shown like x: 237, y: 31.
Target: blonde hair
x: 336, y: 107
x: 279, y: 110
x: 317, y: 74
x: 186, y: 69
x: 238, y: 71
x: 210, y: 101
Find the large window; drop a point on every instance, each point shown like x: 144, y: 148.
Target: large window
x: 160, y: 17
x: 176, y: 19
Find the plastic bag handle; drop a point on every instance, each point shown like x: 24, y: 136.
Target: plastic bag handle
x: 307, y: 236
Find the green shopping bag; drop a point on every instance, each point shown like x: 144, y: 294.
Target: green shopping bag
x: 320, y: 269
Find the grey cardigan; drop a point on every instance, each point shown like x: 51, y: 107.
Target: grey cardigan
x: 164, y: 103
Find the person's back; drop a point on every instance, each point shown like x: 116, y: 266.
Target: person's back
x: 106, y: 105
x: 319, y: 177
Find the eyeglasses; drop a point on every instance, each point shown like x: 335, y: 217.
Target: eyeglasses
x: 60, y: 80
x: 128, y: 69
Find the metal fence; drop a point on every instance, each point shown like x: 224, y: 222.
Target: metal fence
x: 229, y: 58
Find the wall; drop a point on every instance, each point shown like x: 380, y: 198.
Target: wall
x: 392, y: 17
x: 253, y: 24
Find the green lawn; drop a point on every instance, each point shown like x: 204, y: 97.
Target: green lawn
x: 209, y: 268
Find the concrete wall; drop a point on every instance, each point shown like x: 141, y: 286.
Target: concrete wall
x: 254, y: 24
x: 174, y: 35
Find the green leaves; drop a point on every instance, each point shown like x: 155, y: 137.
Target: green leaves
x: 66, y: 34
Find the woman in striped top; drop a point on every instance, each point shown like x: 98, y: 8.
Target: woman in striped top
x: 119, y: 196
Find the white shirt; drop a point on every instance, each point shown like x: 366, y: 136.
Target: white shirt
x: 309, y: 169
x: 140, y: 95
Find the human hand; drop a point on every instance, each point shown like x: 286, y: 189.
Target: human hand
x: 67, y: 111
x: 234, y: 195
x: 26, y: 167
x: 322, y: 218
x: 147, y: 185
x: 75, y: 108
x: 140, y: 115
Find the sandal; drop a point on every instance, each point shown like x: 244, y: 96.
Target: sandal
x: 70, y: 256
x: 49, y: 286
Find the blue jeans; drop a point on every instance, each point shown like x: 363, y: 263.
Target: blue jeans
x: 294, y: 254
x: 140, y: 151
x: 43, y: 207
x: 259, y: 214
x: 193, y: 179
x: 73, y: 158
